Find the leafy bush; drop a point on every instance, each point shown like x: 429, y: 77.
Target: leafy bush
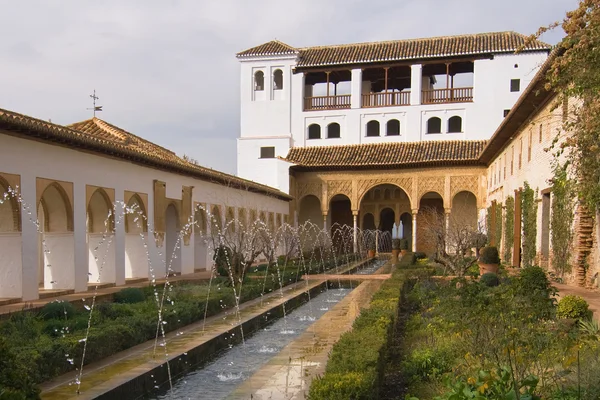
x: 489, y: 255
x: 130, y: 296
x: 574, y: 307
x: 15, y: 382
x: 58, y: 309
x: 396, y: 244
x: 489, y: 279
x: 342, y: 386
x: 534, y: 279
x: 430, y: 362
x: 407, y: 260
x: 420, y: 255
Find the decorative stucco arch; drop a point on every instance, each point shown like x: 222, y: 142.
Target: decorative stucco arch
x: 10, y: 212
x: 100, y: 212
x: 57, y: 206
x: 366, y: 186
x: 136, y: 219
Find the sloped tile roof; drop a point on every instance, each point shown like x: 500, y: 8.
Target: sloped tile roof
x: 402, y: 50
x: 100, y: 137
x: 272, y: 48
x: 396, y: 155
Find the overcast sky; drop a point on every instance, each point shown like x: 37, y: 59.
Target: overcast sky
x: 166, y: 69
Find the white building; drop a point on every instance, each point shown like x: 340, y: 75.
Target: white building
x: 444, y: 88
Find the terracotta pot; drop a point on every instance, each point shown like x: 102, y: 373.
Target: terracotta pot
x: 395, y: 253
x: 371, y: 253
x: 483, y: 268
x: 403, y: 252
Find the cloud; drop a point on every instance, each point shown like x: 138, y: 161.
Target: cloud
x: 166, y: 70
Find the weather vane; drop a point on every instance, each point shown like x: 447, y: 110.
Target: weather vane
x: 95, y: 108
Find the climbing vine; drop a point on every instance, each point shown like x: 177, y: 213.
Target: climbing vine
x: 509, y: 234
x: 561, y: 221
x: 529, y: 221
x: 488, y: 224
x: 498, y: 231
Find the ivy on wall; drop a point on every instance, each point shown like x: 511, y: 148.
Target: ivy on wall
x: 529, y: 224
x: 498, y: 231
x: 561, y: 220
x: 488, y: 224
x: 509, y: 233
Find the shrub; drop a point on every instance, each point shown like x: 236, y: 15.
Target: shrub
x: 342, y: 386
x: 57, y: 310
x: 574, y: 307
x: 533, y: 279
x: 15, y: 382
x: 489, y: 279
x: 407, y: 260
x: 427, y: 363
x: 396, y: 244
x: 130, y: 296
x: 404, y: 244
x: 489, y: 255
x: 420, y: 255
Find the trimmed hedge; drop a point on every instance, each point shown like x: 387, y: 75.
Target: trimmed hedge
x: 357, y: 361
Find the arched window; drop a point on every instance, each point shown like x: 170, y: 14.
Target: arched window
x: 434, y: 125
x: 277, y: 79
x: 333, y: 131
x: 373, y: 128
x: 259, y: 81
x: 455, y: 124
x: 314, y: 131
x: 393, y: 127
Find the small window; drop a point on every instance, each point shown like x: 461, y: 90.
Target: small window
x: 515, y: 85
x: 520, y: 153
x: 541, y: 132
x: 333, y: 131
x: 455, y: 124
x: 259, y: 81
x: 393, y: 127
x: 278, y: 80
x: 434, y: 125
x: 506, y: 112
x: 373, y: 128
x: 530, y: 146
x: 267, y: 152
x: 314, y: 131
x: 512, y: 162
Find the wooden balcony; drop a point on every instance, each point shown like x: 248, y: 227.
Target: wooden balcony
x: 327, y: 102
x: 386, y: 99
x: 455, y: 95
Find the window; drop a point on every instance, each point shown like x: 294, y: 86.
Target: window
x: 277, y: 79
x: 267, y: 152
x: 434, y: 125
x: 314, y: 131
x: 520, y: 153
x: 333, y: 131
x: 392, y: 128
x: 506, y: 112
x: 512, y: 161
x: 373, y: 128
x: 505, y: 157
x: 530, y: 146
x: 259, y: 81
x: 541, y: 129
x: 515, y: 85
x: 455, y: 124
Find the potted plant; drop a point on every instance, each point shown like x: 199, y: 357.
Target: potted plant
x: 403, y: 246
x: 371, y: 247
x: 396, y: 249
x: 488, y: 260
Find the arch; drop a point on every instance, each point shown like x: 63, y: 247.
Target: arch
x: 406, y: 231
x: 259, y: 81
x: 434, y: 125
x: 387, y: 217
x: 10, y: 215
x: 310, y: 210
x: 173, y: 244
x: 230, y: 220
x: 252, y: 216
x: 373, y: 128
x: 242, y: 217
x: 464, y: 209
x: 200, y: 226
x: 368, y: 221
x: 376, y: 185
x: 392, y: 128
x: 100, y: 221
x: 136, y: 217
x: 100, y: 212
x: 430, y: 222
x: 455, y: 124
x: 58, y: 207
x: 278, y: 79
x: 216, y: 221
x: 314, y: 131
x: 333, y: 131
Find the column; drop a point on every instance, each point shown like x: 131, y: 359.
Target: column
x: 416, y: 83
x: 414, y: 230
x: 377, y: 220
x: 356, y: 88
x: 447, y: 226
x: 355, y: 231
x: 325, y: 221
x: 119, y: 237
x: 29, y: 240
x: 80, y: 237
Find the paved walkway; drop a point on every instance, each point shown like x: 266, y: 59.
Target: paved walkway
x: 102, y: 376
x: 591, y: 296
x: 102, y: 293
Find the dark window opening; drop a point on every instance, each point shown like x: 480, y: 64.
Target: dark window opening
x: 259, y: 81
x: 455, y: 124
x: 267, y: 152
x: 393, y: 127
x: 333, y: 131
x: 278, y: 80
x: 434, y: 125
x: 314, y: 131
x: 506, y: 112
x: 515, y: 85
x: 373, y: 128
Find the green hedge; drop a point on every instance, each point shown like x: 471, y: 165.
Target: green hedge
x: 357, y: 361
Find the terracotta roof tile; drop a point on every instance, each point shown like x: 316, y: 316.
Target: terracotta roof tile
x: 97, y: 136
x: 398, y: 154
x: 272, y: 48
x: 401, y: 50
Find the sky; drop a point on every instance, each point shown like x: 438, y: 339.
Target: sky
x: 166, y: 70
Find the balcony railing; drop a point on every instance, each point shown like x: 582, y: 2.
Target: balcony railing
x: 327, y: 102
x: 455, y: 95
x: 386, y: 99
